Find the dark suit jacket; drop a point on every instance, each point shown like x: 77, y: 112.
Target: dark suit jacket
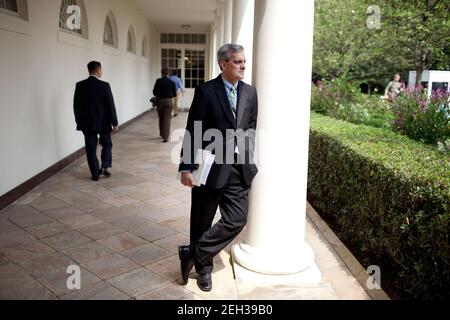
x: 165, y: 88
x: 94, y: 107
x: 211, y: 106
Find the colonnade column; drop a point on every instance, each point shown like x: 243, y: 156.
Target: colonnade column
x: 212, y: 52
x: 274, y: 241
x: 220, y: 28
x: 242, y: 31
x: 228, y: 15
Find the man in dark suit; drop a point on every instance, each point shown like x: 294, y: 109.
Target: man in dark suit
x: 165, y: 90
x: 95, y: 115
x: 220, y: 106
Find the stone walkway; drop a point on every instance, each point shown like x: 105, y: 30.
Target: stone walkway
x: 123, y: 233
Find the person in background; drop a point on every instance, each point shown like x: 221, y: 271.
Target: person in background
x: 393, y: 89
x: 165, y: 90
x: 95, y: 115
x: 180, y: 90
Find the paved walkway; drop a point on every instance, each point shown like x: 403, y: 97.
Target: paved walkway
x: 123, y: 233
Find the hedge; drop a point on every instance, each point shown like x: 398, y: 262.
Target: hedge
x: 388, y: 198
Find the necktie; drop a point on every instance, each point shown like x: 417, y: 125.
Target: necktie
x: 233, y: 99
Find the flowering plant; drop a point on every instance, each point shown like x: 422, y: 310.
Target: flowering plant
x: 422, y: 118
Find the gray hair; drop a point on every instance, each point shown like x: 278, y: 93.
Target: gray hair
x: 225, y: 51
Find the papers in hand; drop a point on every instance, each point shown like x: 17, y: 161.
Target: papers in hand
x: 204, y: 159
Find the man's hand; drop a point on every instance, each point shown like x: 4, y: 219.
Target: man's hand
x: 116, y: 128
x: 187, y: 179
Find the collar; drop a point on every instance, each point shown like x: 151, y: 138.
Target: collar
x: 93, y: 75
x: 228, y: 84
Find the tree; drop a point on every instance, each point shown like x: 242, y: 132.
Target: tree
x: 339, y: 39
x: 421, y: 28
x: 414, y: 35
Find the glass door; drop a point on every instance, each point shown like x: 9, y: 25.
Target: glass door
x: 190, y: 66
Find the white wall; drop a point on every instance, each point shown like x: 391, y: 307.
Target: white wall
x: 39, y: 68
x: 430, y: 76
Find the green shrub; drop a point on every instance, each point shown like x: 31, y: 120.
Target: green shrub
x: 380, y: 113
x: 342, y: 99
x: 422, y: 119
x: 337, y: 98
x: 389, y: 197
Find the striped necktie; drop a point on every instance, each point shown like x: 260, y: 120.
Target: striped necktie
x: 233, y: 99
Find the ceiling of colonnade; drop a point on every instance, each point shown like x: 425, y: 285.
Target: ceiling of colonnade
x: 198, y: 13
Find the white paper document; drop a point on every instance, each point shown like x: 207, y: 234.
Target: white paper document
x: 205, y: 160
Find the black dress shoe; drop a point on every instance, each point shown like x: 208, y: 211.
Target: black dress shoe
x: 186, y: 263
x: 95, y: 178
x: 106, y: 173
x: 204, y: 282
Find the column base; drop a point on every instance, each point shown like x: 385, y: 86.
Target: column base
x: 307, y: 275
x: 280, y: 263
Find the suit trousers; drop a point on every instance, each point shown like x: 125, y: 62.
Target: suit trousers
x: 232, y: 200
x: 91, y: 141
x: 164, y: 108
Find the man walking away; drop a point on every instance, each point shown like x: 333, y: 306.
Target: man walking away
x: 165, y: 91
x: 180, y: 90
x: 95, y: 115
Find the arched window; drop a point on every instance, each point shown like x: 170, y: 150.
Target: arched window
x: 110, y: 31
x: 131, y: 41
x: 145, y: 47
x: 73, y: 15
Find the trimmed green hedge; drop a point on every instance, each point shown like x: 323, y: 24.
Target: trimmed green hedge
x: 389, y: 199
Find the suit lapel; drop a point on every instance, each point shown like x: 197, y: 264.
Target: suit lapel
x: 242, y: 102
x: 223, y: 100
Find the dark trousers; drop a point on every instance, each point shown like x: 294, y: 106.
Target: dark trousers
x: 165, y: 107
x: 91, y: 141
x: 207, y: 241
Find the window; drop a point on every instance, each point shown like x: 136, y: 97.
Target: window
x: 10, y: 5
x: 194, y: 68
x: 144, y: 47
x: 188, y: 38
x: 435, y: 86
x: 15, y: 7
x: 131, y: 42
x: 171, y: 59
x: 64, y: 16
x: 110, y: 37
x: 108, y: 33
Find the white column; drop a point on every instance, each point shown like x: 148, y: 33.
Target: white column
x: 275, y: 236
x: 242, y: 31
x: 213, y: 52
x: 220, y: 28
x: 228, y: 21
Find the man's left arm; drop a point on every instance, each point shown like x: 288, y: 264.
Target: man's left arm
x: 111, y: 107
x: 251, y: 131
x: 76, y: 105
x: 181, y: 85
x: 252, y: 123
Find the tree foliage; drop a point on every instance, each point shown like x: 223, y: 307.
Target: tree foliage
x: 414, y: 35
x: 422, y: 30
